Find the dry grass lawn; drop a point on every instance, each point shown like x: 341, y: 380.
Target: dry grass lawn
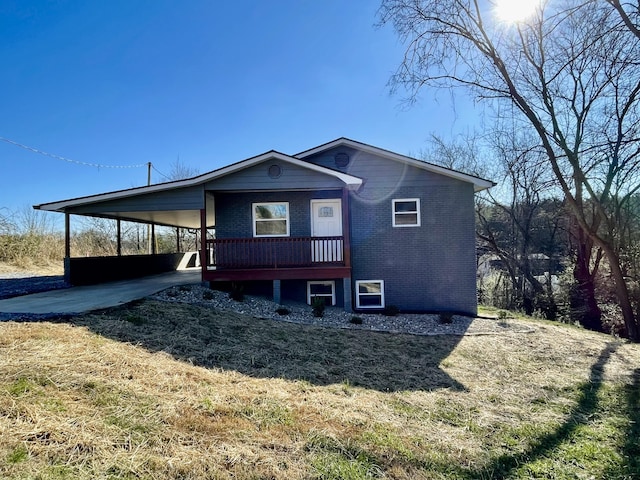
x: 158, y: 391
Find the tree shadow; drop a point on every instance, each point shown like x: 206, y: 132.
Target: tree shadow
x: 272, y: 349
x: 631, y: 449
x: 587, y: 405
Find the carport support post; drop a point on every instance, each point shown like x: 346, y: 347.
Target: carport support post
x: 67, y: 247
x: 203, y: 239
x: 119, y: 240
x: 67, y: 235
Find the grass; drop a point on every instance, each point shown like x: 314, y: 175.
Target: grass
x: 157, y: 391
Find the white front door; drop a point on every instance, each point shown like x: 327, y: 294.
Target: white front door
x: 326, y: 221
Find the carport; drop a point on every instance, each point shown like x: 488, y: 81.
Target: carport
x: 180, y: 205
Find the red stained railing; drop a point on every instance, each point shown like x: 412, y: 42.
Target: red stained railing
x: 274, y: 252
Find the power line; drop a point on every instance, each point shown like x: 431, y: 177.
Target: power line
x: 161, y: 174
x: 64, y: 159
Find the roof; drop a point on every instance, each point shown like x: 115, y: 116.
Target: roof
x: 61, y: 205
x: 104, y: 204
x: 479, y: 183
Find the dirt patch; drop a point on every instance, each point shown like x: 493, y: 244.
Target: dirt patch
x: 42, y: 270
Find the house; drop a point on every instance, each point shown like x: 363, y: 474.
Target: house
x: 359, y: 226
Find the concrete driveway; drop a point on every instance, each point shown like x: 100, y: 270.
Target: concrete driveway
x: 76, y: 300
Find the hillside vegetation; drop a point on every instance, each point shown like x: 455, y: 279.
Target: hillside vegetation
x: 152, y: 391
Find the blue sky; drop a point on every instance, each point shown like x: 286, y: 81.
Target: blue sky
x: 126, y: 82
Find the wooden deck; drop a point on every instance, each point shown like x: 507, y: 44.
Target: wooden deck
x: 271, y: 258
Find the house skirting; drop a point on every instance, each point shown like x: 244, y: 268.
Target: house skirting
x: 282, y: 291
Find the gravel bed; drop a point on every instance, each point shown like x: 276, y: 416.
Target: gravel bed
x: 416, y: 324
x: 24, y: 283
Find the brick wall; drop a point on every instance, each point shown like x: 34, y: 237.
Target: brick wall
x: 425, y: 268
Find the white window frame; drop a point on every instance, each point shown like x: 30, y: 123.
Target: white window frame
x: 413, y: 212
x: 381, y: 294
x: 322, y: 282
x: 255, y: 220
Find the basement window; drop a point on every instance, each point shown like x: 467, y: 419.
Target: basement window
x: 322, y: 289
x: 370, y: 294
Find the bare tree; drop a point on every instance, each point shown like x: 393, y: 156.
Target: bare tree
x: 519, y: 219
x: 629, y: 13
x: 180, y: 170
x: 571, y: 72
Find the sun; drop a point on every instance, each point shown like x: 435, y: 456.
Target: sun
x: 513, y: 11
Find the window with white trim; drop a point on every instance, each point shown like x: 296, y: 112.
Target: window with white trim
x: 406, y: 212
x: 370, y: 293
x: 323, y: 289
x: 270, y: 219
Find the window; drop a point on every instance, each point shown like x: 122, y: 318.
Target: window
x: 271, y: 219
x: 326, y: 290
x: 406, y: 212
x: 370, y: 294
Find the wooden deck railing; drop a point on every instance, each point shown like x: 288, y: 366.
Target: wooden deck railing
x: 274, y: 252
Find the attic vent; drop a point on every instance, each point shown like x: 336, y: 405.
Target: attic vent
x: 342, y: 159
x: 275, y: 171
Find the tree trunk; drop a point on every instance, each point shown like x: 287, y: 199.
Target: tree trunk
x: 582, y: 298
x: 622, y: 294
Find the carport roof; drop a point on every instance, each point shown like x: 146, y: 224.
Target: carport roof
x: 103, y: 204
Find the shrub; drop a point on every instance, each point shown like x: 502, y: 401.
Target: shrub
x: 391, y: 311
x: 208, y: 295
x: 356, y: 320
x: 237, y: 292
x: 446, y: 317
x: 282, y: 311
x: 318, y: 306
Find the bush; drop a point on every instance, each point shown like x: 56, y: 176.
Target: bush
x: 282, y: 311
x: 356, y: 320
x: 391, y: 311
x: 237, y: 292
x: 446, y: 318
x: 318, y: 306
x: 208, y: 295
x: 26, y: 250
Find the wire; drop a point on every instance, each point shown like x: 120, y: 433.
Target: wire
x: 161, y: 174
x: 58, y: 157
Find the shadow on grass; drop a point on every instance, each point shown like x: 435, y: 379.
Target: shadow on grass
x: 505, y: 465
x: 631, y: 448
x: 272, y: 349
